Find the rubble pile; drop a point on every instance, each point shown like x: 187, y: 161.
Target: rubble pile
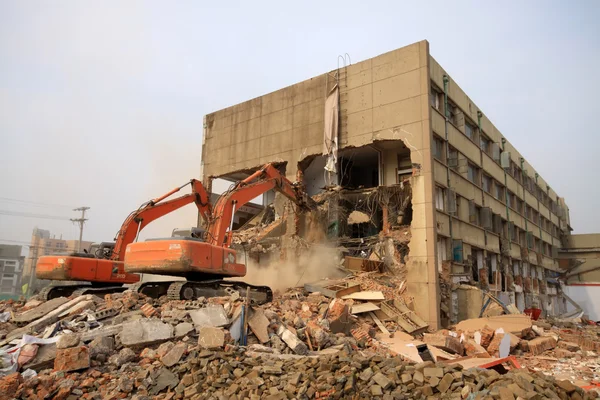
x: 354, y: 337
x: 184, y: 370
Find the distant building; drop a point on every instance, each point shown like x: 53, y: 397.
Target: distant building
x: 43, y: 245
x: 11, y: 268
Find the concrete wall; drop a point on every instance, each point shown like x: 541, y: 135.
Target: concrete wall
x: 286, y: 125
x: 588, y: 298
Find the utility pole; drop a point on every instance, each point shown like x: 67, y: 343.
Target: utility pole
x: 80, y: 221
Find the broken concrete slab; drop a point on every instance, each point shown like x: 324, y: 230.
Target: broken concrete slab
x: 164, y: 379
x: 174, y: 355
x: 104, y: 331
x: 39, y: 311
x: 101, y: 345
x: 124, y: 356
x: 183, y: 329
x: 145, y: 331
x: 292, y: 341
x: 79, y: 308
x: 67, y: 340
x: 212, y: 315
x: 211, y: 337
x: 259, y: 325
x: 72, y: 359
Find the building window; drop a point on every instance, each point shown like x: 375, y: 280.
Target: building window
x: 439, y: 198
x: 515, y: 172
x: 484, y: 144
x: 470, y: 131
x: 499, y: 191
x: 435, y: 98
x: 514, y: 235
x: 473, y: 173
x: 452, y: 113
x: 452, y: 157
x: 438, y: 148
x: 477, y: 217
x: 486, y: 183
x: 519, y: 205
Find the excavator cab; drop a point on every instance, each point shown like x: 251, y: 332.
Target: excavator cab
x: 193, y: 233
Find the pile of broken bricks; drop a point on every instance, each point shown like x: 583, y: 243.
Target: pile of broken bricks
x: 315, y: 343
x: 186, y: 371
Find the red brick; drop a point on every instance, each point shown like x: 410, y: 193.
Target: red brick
x: 541, y: 344
x: 487, y: 334
x: 9, y: 385
x: 494, y: 345
x: 72, y: 359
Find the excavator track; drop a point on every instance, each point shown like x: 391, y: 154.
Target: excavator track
x: 54, y: 291
x: 191, y: 290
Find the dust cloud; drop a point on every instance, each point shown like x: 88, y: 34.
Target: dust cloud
x: 313, y: 264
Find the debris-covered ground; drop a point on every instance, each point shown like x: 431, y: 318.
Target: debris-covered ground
x: 357, y: 337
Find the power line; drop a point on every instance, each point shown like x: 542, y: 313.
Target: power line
x: 33, y: 202
x: 32, y: 215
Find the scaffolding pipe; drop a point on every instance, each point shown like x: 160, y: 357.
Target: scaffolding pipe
x: 447, y: 121
x: 507, y: 198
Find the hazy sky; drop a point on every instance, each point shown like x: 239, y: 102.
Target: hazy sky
x: 101, y: 102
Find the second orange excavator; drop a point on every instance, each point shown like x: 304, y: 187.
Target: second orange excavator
x: 100, y: 270
x: 207, y: 258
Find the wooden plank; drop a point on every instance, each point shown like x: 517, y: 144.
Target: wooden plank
x: 332, y: 289
x: 380, y: 324
x: 396, y: 315
x: 367, y: 295
x: 363, y: 308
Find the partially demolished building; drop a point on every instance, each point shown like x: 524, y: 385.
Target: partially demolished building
x: 395, y: 138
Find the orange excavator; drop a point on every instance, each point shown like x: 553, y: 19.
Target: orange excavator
x: 206, y: 258
x: 100, y: 270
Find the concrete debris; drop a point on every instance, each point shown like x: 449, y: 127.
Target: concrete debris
x: 358, y: 217
x: 210, y: 337
x: 183, y: 329
x: 145, y: 331
x: 212, y: 315
x: 259, y: 325
x: 292, y: 341
x: 67, y: 340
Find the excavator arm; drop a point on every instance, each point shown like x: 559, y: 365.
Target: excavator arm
x: 157, y: 208
x: 242, y: 192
